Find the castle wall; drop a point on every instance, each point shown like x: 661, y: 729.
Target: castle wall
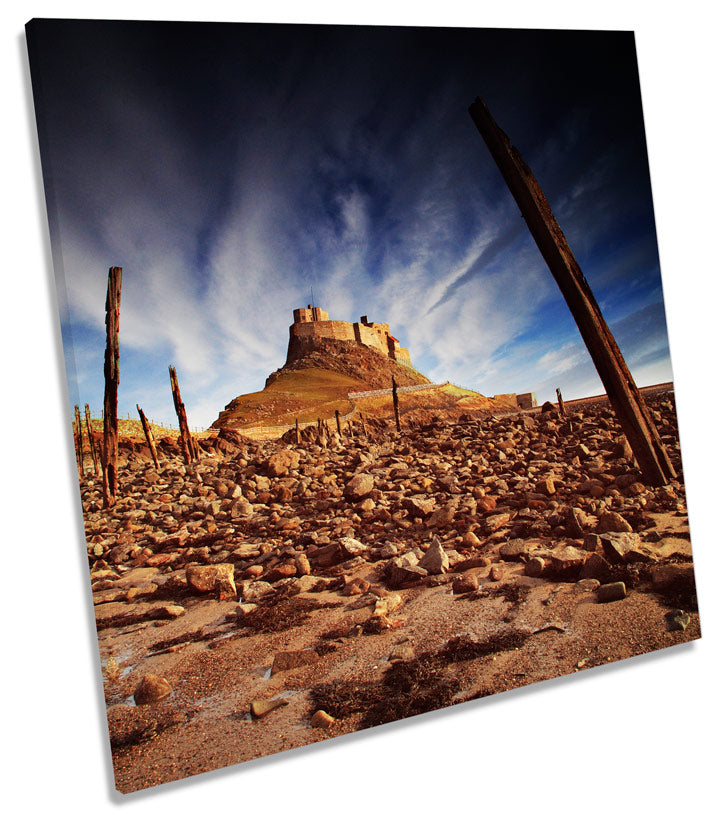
x: 312, y: 322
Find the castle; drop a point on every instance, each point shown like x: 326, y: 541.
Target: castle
x: 313, y: 322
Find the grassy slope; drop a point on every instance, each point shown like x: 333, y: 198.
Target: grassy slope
x: 303, y: 394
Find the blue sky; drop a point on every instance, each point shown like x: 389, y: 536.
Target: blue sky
x: 230, y: 169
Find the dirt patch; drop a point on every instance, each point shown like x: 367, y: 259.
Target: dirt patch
x: 413, y: 687
x: 293, y: 611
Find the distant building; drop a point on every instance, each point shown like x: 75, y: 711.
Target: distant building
x: 527, y: 400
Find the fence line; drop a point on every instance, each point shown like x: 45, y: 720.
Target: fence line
x: 388, y: 391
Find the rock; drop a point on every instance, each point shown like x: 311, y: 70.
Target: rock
x: 403, y: 652
x: 321, y: 719
x: 546, y: 486
x: 567, y: 559
x: 302, y: 565
x: 673, y: 576
x: 617, y: 546
x: 486, y: 503
x: 260, y: 708
x: 612, y: 522
x: 435, y: 560
x: 152, y: 688
x: 470, y: 540
x: 355, y: 586
x: 419, y: 507
x: 587, y: 584
x: 220, y: 577
x: 243, y: 609
x: 534, y: 567
x: 252, y: 591
x: 595, y: 567
x: 287, y: 660
x: 592, y: 543
x: 388, y: 604
x: 465, y: 583
x: 516, y: 549
x: 169, y: 612
x: 442, y: 517
x: 282, y: 462
x: 495, y: 522
x: 400, y: 572
x: 359, y: 486
x: 677, y: 620
x: 351, y: 547
x: 609, y: 592
x: 575, y: 522
x: 471, y: 563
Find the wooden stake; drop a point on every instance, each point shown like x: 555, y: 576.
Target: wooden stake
x: 186, y: 445
x: 79, y: 441
x: 628, y: 403
x: 395, y: 404
x: 148, y: 436
x: 112, y: 379
x: 297, y: 431
x: 561, y: 403
x: 91, y: 439
x: 337, y: 421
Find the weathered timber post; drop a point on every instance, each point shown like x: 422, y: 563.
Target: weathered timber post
x: 297, y: 431
x: 395, y: 404
x: 79, y: 441
x: 561, y: 403
x: 112, y: 379
x: 337, y: 421
x: 148, y: 436
x: 626, y: 400
x: 91, y: 440
x: 185, y: 442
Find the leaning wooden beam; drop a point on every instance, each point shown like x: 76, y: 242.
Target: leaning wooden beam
x: 185, y: 442
x: 148, y: 436
x: 337, y: 422
x: 79, y: 441
x: 628, y: 403
x: 561, y: 403
x: 91, y: 439
x: 112, y: 378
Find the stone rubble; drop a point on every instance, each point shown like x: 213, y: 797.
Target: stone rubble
x: 532, y: 496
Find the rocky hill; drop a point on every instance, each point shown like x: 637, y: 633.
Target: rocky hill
x: 314, y: 382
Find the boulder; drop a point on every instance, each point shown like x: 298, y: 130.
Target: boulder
x: 359, y: 486
x: 220, y: 578
x: 152, y: 688
x: 435, y: 560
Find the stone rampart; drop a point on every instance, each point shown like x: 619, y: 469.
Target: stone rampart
x: 313, y: 322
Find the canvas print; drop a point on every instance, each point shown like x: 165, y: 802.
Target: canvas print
x: 369, y: 375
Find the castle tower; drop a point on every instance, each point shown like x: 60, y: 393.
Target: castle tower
x: 313, y: 322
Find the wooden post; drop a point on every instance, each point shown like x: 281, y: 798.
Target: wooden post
x: 148, y: 436
x: 337, y: 421
x: 185, y: 442
x: 395, y: 404
x: 112, y: 379
x: 628, y: 403
x: 297, y: 431
x: 561, y: 403
x: 91, y: 439
x: 79, y: 442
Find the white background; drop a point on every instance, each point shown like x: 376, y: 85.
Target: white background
x: 637, y: 737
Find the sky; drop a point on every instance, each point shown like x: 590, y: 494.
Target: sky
x: 232, y: 169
